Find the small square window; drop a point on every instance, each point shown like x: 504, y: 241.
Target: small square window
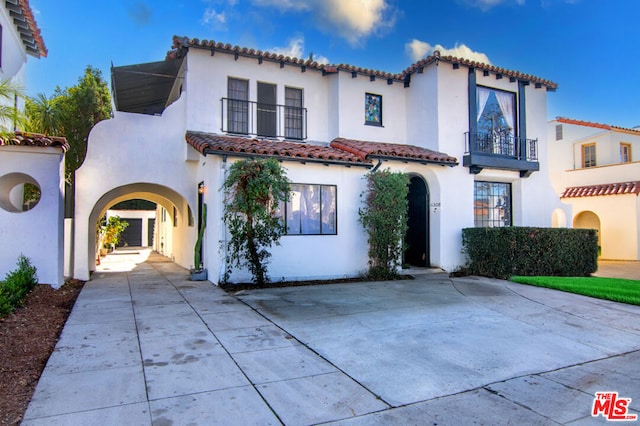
x: 373, y: 109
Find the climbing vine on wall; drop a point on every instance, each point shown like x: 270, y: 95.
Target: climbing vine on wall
x: 384, y: 217
x: 254, y: 190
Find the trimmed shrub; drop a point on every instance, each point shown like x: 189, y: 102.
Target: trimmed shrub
x: 384, y: 218
x: 503, y: 252
x: 16, y: 285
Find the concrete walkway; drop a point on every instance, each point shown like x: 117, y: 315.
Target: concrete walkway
x: 148, y: 346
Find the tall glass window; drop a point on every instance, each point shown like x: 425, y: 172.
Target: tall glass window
x: 238, y: 106
x: 496, y: 115
x: 293, y: 113
x: 492, y: 204
x: 311, y: 210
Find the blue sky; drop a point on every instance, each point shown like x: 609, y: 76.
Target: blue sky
x: 591, y: 48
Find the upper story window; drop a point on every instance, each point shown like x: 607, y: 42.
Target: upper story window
x: 373, y: 109
x: 625, y: 153
x: 496, y: 115
x: 238, y: 106
x: 589, y: 155
x: 311, y: 210
x: 293, y: 113
x: 263, y: 117
x: 559, y: 132
x: 492, y: 204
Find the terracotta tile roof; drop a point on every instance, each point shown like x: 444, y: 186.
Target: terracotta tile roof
x: 180, y: 44
x: 369, y: 150
x: 35, y: 139
x: 436, y: 57
x: 27, y: 27
x: 620, y: 188
x: 597, y: 125
x: 207, y: 143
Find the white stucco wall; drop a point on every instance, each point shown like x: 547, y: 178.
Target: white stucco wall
x: 36, y: 233
x: 135, y: 156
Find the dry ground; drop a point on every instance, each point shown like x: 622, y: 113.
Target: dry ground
x: 27, y: 338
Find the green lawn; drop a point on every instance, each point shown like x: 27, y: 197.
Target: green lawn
x: 616, y: 289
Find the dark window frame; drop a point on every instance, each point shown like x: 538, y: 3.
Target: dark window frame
x: 238, y: 108
x: 497, y: 206
x: 293, y: 113
x: 284, y: 209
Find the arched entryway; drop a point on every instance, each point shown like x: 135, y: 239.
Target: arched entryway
x: 588, y: 220
x: 175, y: 230
x: 417, y: 238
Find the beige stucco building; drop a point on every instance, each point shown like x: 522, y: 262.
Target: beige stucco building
x: 594, y: 168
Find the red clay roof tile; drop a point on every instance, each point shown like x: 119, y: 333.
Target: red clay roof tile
x: 596, y: 125
x: 214, y: 143
x: 368, y: 150
x: 35, y: 139
x: 182, y: 43
x: 620, y: 188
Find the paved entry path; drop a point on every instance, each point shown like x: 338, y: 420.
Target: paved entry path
x: 144, y: 345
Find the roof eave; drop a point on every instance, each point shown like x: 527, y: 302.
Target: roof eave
x: 303, y: 160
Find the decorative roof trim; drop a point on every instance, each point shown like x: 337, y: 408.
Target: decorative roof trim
x: 35, y: 139
x: 27, y: 27
x: 182, y: 44
x: 598, y: 125
x: 621, y: 188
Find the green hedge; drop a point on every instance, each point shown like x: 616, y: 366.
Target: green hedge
x: 16, y: 285
x: 503, y: 252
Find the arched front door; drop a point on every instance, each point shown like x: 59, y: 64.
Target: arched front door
x: 417, y: 238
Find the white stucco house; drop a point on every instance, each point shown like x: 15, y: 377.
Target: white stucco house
x: 595, y: 168
x: 471, y: 136
x: 31, y: 165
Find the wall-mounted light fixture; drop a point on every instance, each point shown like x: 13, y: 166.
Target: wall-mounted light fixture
x: 201, y: 188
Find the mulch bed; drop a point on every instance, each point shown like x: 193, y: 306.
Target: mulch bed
x: 27, y: 338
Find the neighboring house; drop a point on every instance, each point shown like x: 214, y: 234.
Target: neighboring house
x: 472, y: 138
x: 596, y: 169
x: 31, y: 165
x: 140, y: 229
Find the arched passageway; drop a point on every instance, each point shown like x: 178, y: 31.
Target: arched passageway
x: 174, y: 229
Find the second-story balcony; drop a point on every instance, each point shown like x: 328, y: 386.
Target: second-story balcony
x: 500, y: 151
x: 263, y: 120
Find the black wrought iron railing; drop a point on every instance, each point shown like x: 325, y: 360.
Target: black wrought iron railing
x: 501, y: 145
x: 260, y: 119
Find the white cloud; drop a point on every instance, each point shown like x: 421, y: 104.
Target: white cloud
x: 213, y: 18
x: 295, y: 49
x: 485, y: 5
x: 417, y: 49
x: 353, y: 20
x: 285, y: 5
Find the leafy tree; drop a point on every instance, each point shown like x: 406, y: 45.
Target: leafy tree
x: 111, y: 230
x: 44, y: 115
x: 254, y: 189
x: 384, y: 217
x: 72, y: 113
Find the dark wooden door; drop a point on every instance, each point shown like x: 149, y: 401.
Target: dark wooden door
x: 417, y: 238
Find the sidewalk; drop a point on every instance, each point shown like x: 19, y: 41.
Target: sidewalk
x: 148, y: 346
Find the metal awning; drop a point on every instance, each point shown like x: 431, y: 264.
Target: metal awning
x: 146, y: 88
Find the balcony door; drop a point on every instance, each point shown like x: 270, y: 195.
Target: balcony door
x: 267, y: 113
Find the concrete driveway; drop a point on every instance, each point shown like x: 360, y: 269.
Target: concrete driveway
x: 147, y: 346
